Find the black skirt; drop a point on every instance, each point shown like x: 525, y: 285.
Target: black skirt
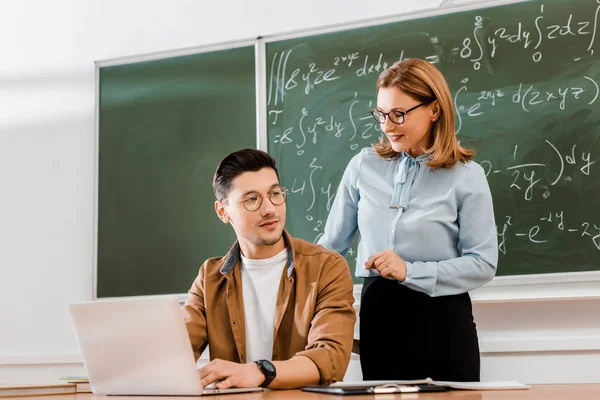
x: 405, y: 334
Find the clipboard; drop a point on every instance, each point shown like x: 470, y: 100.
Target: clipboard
x: 377, y: 389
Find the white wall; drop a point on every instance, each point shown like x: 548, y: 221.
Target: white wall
x: 47, y: 177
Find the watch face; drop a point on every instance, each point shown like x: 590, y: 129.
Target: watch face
x: 269, y: 366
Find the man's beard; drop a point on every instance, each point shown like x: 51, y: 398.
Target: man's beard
x: 267, y: 242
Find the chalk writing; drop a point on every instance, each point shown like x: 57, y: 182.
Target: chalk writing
x: 525, y: 94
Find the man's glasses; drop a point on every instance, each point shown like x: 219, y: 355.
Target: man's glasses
x: 253, y: 200
x: 396, y: 116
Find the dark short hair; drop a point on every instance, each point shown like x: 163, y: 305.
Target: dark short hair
x: 235, y: 164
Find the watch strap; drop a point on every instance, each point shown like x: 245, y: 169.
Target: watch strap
x: 268, y: 371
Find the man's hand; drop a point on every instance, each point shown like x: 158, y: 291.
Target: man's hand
x: 388, y: 264
x: 226, y: 374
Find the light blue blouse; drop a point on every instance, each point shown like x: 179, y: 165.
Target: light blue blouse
x: 441, y: 222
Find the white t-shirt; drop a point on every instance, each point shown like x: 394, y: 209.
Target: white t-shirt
x: 260, y: 285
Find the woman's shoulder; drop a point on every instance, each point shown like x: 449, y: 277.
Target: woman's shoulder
x: 363, y: 164
x: 364, y: 156
x: 367, y: 155
x: 367, y: 152
x: 470, y: 168
x: 471, y: 176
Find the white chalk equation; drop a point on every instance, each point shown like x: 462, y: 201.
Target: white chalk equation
x: 527, y: 175
x: 528, y: 97
x: 538, y: 232
x: 351, y: 119
x: 354, y: 124
x: 482, y: 46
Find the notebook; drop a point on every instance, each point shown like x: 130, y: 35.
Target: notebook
x: 138, y: 347
x: 38, y: 390
x: 81, y: 383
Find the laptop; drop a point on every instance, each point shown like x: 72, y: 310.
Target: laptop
x: 138, y: 347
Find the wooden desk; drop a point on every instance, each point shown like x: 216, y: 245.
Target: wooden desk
x: 537, y: 392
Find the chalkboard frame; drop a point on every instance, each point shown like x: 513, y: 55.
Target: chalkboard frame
x: 517, y: 288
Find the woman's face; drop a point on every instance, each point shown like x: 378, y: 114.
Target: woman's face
x: 414, y: 134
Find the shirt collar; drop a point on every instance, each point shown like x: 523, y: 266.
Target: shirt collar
x: 420, y: 159
x: 405, y: 176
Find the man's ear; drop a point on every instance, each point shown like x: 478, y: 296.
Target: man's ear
x: 221, y: 212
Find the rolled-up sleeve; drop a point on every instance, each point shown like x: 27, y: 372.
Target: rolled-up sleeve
x: 194, y: 315
x: 331, y: 331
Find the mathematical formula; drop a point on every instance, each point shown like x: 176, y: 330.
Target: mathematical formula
x: 313, y: 103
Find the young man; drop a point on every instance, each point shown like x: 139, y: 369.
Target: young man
x: 275, y: 311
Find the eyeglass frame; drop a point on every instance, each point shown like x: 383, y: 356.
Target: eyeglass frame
x: 402, y: 113
x: 284, y: 192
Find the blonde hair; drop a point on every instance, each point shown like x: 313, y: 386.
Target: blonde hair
x: 423, y: 82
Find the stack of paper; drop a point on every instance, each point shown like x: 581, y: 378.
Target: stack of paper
x: 501, y: 385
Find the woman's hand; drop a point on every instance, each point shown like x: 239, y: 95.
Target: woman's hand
x: 388, y: 264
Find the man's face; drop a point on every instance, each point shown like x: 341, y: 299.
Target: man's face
x: 256, y: 220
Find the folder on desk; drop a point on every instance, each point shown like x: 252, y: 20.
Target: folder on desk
x: 374, y: 389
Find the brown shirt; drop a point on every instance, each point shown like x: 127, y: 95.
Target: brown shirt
x: 313, y: 318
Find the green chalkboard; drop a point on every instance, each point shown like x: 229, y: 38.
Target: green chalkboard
x: 163, y: 127
x: 525, y: 81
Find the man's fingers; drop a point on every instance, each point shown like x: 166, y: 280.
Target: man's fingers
x: 210, y: 378
x: 204, y: 371
x: 210, y: 367
x: 226, y: 384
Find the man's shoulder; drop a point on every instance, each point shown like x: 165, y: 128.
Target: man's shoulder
x: 314, y: 260
x: 213, y: 265
x: 314, y: 263
x: 308, y: 249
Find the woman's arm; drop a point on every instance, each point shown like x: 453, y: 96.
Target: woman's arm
x: 477, y: 242
x: 342, y: 222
